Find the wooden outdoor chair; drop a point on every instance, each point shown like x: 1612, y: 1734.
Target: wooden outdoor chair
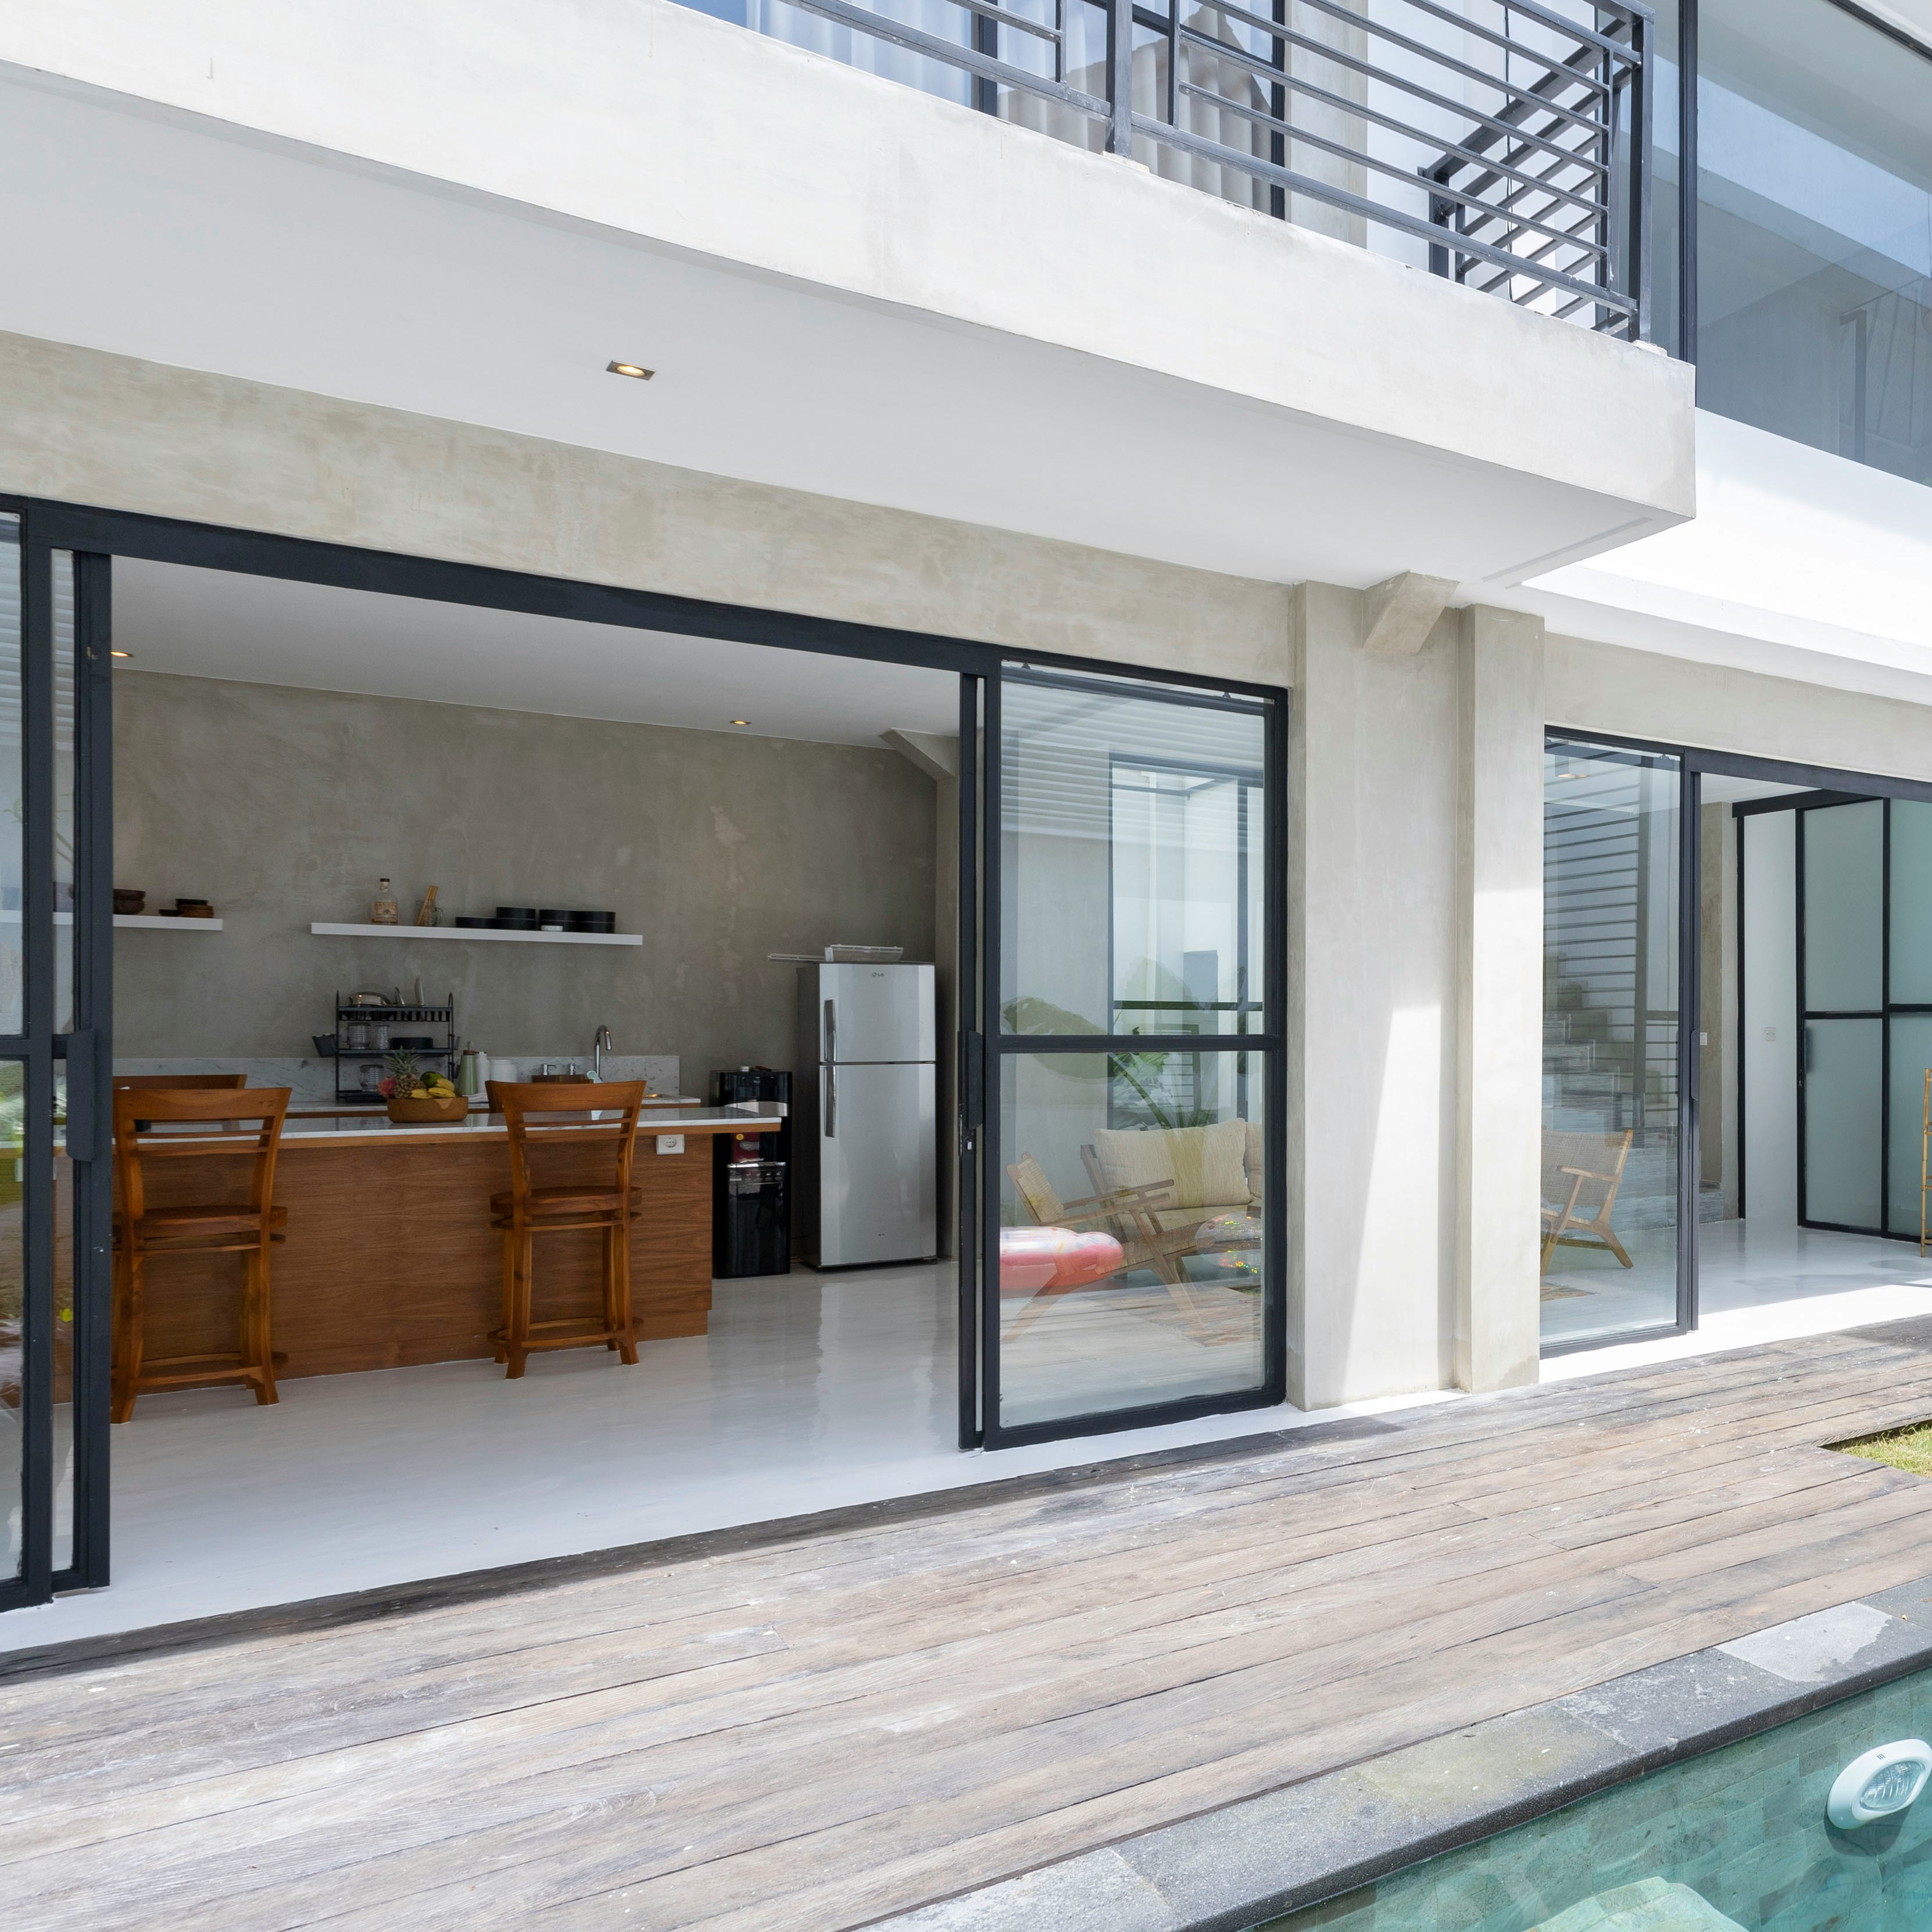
x: 1126, y: 1213
x: 1583, y: 1172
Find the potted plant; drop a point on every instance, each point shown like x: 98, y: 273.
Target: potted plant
x: 420, y: 1099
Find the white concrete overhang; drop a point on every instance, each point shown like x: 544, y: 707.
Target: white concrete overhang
x: 1801, y: 563
x: 466, y: 207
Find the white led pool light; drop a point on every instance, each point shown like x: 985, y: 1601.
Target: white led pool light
x: 1883, y: 1781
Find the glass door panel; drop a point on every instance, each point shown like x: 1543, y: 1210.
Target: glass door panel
x: 1842, y: 891
x: 1153, y: 1296
x: 1134, y: 1266
x: 1911, y: 1051
x: 1840, y: 1099
x: 1911, y: 905
x: 1612, y: 828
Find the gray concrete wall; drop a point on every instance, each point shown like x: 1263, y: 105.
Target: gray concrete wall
x: 1499, y: 1064
x: 1598, y: 687
x: 1371, y: 1008
x: 284, y: 806
x: 80, y: 426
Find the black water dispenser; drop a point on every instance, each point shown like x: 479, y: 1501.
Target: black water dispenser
x: 751, y: 1218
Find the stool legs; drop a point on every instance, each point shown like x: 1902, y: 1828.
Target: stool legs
x: 254, y: 1358
x: 516, y: 1341
x: 617, y: 1284
x: 519, y: 1259
x: 125, y: 1343
x: 257, y: 1353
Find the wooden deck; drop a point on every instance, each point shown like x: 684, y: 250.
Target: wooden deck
x: 816, y: 1733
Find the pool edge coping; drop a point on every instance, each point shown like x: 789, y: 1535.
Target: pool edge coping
x: 1236, y: 1867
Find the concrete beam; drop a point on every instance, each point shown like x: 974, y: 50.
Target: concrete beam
x: 1499, y: 1061
x: 935, y: 754
x: 1398, y: 613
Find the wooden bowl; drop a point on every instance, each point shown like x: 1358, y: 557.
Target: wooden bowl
x: 425, y: 1113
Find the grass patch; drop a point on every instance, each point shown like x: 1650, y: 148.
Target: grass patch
x: 1908, y: 1448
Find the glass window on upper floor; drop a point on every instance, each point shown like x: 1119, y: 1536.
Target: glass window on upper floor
x: 1814, y: 230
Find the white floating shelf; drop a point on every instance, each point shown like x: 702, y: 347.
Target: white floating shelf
x: 334, y: 931
x: 147, y: 918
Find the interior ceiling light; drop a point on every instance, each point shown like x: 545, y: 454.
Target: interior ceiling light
x: 120, y: 654
x: 741, y: 720
x: 636, y: 369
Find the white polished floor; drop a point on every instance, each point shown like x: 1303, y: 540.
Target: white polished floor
x: 810, y: 1392
x: 1757, y: 1281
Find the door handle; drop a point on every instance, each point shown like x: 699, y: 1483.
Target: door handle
x: 831, y: 1102
x: 831, y: 1030
x: 83, y: 1130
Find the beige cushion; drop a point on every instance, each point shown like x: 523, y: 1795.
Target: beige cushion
x: 1207, y: 1167
x: 1257, y: 1168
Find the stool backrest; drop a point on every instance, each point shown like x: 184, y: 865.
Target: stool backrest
x: 188, y: 1082
x: 161, y: 1124
x: 555, y: 1113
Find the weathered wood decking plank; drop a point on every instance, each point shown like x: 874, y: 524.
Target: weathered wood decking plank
x: 813, y: 1734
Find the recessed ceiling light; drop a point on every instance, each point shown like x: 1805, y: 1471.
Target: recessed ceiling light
x: 120, y: 654
x: 636, y: 369
x: 741, y: 720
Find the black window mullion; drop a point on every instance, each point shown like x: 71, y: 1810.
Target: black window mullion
x: 997, y: 886
x: 37, y: 941
x: 93, y: 1180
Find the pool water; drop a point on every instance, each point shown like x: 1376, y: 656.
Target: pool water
x: 1743, y: 1828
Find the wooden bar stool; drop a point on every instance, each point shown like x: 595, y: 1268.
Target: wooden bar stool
x: 174, y: 1123
x: 528, y: 1210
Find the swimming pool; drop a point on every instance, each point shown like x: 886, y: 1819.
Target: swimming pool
x: 1742, y: 1828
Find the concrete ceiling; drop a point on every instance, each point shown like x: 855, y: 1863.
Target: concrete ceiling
x: 146, y: 232
x: 214, y: 623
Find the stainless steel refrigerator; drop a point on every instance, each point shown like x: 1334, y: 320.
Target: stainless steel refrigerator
x: 864, y: 1150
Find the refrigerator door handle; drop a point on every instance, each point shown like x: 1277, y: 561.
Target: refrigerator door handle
x: 831, y: 1030
x: 831, y: 1099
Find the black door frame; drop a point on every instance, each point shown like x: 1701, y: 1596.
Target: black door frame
x: 44, y: 1046
x: 101, y: 535
x: 1270, y: 1044
x: 1844, y: 785
x: 1801, y: 806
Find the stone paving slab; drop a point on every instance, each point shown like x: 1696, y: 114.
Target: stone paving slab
x: 1230, y: 1869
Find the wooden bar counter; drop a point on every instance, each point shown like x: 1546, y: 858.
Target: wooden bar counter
x: 391, y: 1260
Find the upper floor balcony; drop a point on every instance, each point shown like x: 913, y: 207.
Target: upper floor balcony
x: 1372, y: 300
x: 1503, y: 143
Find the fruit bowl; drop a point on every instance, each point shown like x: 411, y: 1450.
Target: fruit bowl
x: 422, y: 1113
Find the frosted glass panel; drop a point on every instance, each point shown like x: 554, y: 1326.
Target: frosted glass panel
x: 1911, y: 1055
x: 1912, y: 910
x: 1844, y: 916
x: 1843, y: 1118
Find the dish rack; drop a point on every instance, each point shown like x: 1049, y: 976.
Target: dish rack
x: 354, y: 1024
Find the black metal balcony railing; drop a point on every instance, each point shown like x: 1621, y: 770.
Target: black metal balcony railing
x: 1504, y: 145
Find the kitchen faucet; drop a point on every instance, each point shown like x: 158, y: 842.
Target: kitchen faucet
x: 597, y: 1048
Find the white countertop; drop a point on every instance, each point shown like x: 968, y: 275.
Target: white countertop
x: 375, y: 1125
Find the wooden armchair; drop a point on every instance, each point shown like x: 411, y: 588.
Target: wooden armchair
x: 1583, y: 1172
x: 1126, y: 1213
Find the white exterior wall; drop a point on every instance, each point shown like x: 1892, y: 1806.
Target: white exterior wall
x: 694, y: 138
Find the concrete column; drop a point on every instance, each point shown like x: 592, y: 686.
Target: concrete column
x: 1498, y: 1090
x: 1372, y: 1054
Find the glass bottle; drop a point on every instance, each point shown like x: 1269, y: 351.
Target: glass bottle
x: 383, y: 910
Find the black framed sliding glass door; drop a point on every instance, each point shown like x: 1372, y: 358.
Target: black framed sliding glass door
x: 1133, y: 1195
x: 55, y: 1199
x: 1864, y: 957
